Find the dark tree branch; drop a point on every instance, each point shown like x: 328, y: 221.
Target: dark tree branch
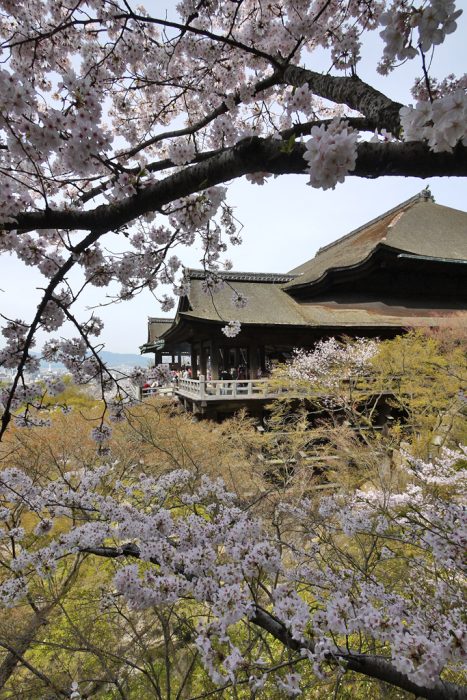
x: 371, y: 666
x: 251, y: 155
x: 16, y: 651
x: 59, y: 276
x: 351, y: 91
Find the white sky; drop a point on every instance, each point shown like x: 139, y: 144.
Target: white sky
x: 285, y: 221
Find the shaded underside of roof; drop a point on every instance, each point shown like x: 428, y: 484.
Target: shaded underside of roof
x: 418, y: 227
x: 384, y: 315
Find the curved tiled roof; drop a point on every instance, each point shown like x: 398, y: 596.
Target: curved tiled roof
x: 417, y: 227
x: 157, y: 326
x: 267, y: 303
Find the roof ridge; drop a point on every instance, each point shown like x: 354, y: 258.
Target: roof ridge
x: 242, y: 276
x: 424, y: 195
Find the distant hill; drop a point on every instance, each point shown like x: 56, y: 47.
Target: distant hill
x: 118, y: 359
x: 111, y: 359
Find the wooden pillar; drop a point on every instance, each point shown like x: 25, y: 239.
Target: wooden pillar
x: 194, y: 362
x: 214, y: 361
x: 262, y: 358
x: 202, y: 360
x: 253, y: 361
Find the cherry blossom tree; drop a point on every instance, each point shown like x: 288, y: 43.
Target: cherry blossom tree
x: 117, y: 121
x: 368, y: 582
x: 114, y: 121
x: 411, y: 387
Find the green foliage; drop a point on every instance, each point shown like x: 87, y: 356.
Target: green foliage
x: 430, y: 375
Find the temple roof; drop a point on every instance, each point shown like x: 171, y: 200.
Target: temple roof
x: 156, y: 327
x: 267, y: 303
x: 417, y: 227
x: 233, y: 276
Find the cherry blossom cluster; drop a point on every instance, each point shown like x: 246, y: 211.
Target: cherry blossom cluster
x: 433, y: 20
x: 301, y: 100
x: 441, y: 122
x: 15, y: 333
x: 424, y: 90
x: 232, y: 329
x: 331, y: 153
x: 332, y: 361
x: 28, y: 399
x: 101, y: 433
x: 74, y: 354
x: 181, y: 152
x: 239, y: 300
x: 160, y: 374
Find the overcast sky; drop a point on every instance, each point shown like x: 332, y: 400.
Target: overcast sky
x: 285, y: 221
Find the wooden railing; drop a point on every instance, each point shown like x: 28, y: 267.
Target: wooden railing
x: 157, y: 391
x: 215, y: 389
x: 203, y: 389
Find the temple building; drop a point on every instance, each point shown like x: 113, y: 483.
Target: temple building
x: 405, y: 269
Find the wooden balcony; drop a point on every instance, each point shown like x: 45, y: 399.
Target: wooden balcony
x: 225, y: 389
x: 209, y: 396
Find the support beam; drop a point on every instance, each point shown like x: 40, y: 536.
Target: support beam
x: 253, y: 360
x: 214, y: 360
x: 203, y: 360
x: 194, y: 362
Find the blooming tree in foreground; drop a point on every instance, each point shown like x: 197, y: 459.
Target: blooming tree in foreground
x: 369, y: 582
x: 114, y: 120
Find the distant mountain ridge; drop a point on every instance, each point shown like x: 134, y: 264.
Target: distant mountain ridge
x: 117, y: 359
x: 111, y: 359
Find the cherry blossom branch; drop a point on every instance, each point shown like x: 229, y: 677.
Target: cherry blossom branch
x: 217, y: 38
x: 188, y: 130
x: 29, y: 340
x: 371, y: 666
x: 351, y: 91
x: 413, y: 159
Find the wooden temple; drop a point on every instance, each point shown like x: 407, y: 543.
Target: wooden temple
x: 405, y: 269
